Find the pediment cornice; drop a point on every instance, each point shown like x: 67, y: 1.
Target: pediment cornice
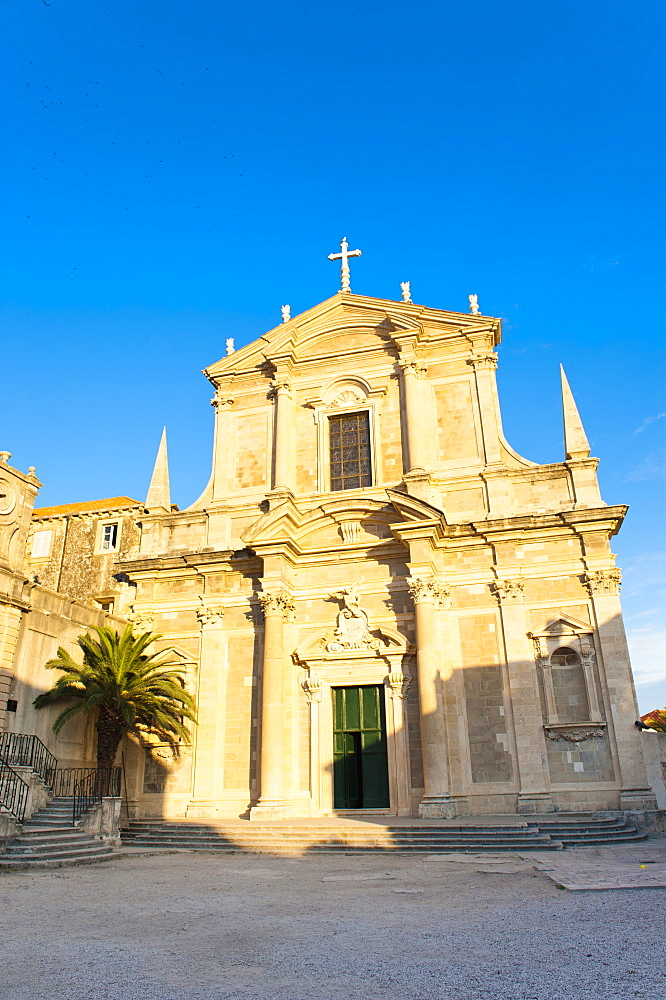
x: 399, y: 323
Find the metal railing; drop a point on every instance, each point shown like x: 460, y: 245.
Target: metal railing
x: 65, y: 778
x: 19, y: 750
x: 92, y: 787
x: 13, y: 791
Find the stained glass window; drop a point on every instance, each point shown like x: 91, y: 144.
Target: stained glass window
x: 350, y: 451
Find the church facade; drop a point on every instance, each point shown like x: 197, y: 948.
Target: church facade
x: 381, y: 607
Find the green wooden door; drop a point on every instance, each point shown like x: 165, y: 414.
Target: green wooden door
x: 360, y: 765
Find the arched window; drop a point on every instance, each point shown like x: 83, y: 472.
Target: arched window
x: 569, y: 686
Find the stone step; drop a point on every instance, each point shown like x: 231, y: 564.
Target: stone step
x: 332, y: 848
x: 49, y: 862
x: 330, y: 835
x: 45, y: 839
x: 610, y: 839
x: 78, y: 851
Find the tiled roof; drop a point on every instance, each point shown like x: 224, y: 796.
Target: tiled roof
x: 111, y: 503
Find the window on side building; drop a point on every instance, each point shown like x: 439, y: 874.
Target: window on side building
x: 109, y: 537
x: 41, y: 544
x: 349, y: 448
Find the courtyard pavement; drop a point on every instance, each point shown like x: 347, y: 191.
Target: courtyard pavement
x: 225, y: 926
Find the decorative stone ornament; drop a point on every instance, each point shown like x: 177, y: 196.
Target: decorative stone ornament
x: 508, y: 590
x: 474, y: 305
x: 220, y: 401
x: 399, y: 683
x: 210, y: 616
x: 429, y: 590
x: 230, y: 346
x: 603, y: 582
x: 142, y: 620
x: 312, y: 687
x: 277, y: 602
x: 352, y: 631
x: 286, y: 313
x: 575, y: 735
x: 483, y: 362
x: 406, y: 289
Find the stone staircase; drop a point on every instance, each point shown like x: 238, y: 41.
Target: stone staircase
x: 299, y: 837
x: 49, y: 839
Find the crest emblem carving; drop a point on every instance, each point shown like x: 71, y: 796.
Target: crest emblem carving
x: 352, y: 629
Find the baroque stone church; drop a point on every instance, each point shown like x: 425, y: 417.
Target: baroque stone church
x: 381, y: 607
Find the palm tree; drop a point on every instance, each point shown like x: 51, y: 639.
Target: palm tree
x: 129, y: 690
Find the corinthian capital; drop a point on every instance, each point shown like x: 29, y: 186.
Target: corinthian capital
x: 280, y: 386
x: 220, y: 401
x: 210, y: 616
x: 423, y: 590
x: 413, y: 367
x: 483, y: 361
x: 277, y: 602
x: 601, y: 582
x: 142, y: 621
x: 508, y: 591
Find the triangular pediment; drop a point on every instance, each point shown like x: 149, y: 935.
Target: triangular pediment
x: 562, y: 627
x: 349, y: 322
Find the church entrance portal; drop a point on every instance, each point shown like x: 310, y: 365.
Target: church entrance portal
x: 360, y: 762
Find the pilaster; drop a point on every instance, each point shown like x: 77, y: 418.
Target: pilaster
x: 418, y: 435
x: 604, y: 589
x: 283, y: 464
x: 277, y: 606
x: 209, y: 755
x: 437, y: 801
x: 222, y: 403
x: 534, y: 779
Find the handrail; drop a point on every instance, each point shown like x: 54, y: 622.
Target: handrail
x: 20, y: 750
x: 13, y: 791
x: 89, y: 790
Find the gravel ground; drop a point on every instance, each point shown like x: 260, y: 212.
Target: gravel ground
x: 221, y: 926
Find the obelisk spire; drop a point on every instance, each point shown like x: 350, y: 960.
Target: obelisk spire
x: 159, y: 494
x: 576, y: 444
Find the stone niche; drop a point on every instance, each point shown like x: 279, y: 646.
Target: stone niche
x: 576, y: 732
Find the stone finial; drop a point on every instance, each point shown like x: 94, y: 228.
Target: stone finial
x: 474, y: 305
x: 159, y: 494
x: 230, y: 346
x: 5, y: 456
x: 406, y: 289
x: 286, y: 313
x: 576, y: 444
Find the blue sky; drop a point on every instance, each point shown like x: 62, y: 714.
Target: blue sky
x: 178, y: 171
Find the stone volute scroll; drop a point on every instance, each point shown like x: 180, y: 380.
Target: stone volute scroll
x: 352, y: 629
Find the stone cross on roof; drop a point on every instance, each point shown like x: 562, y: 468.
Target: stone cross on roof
x: 344, y: 267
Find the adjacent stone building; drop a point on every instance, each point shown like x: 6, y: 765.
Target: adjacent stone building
x: 381, y: 606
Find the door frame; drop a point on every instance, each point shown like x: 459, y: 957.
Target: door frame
x: 354, y: 668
